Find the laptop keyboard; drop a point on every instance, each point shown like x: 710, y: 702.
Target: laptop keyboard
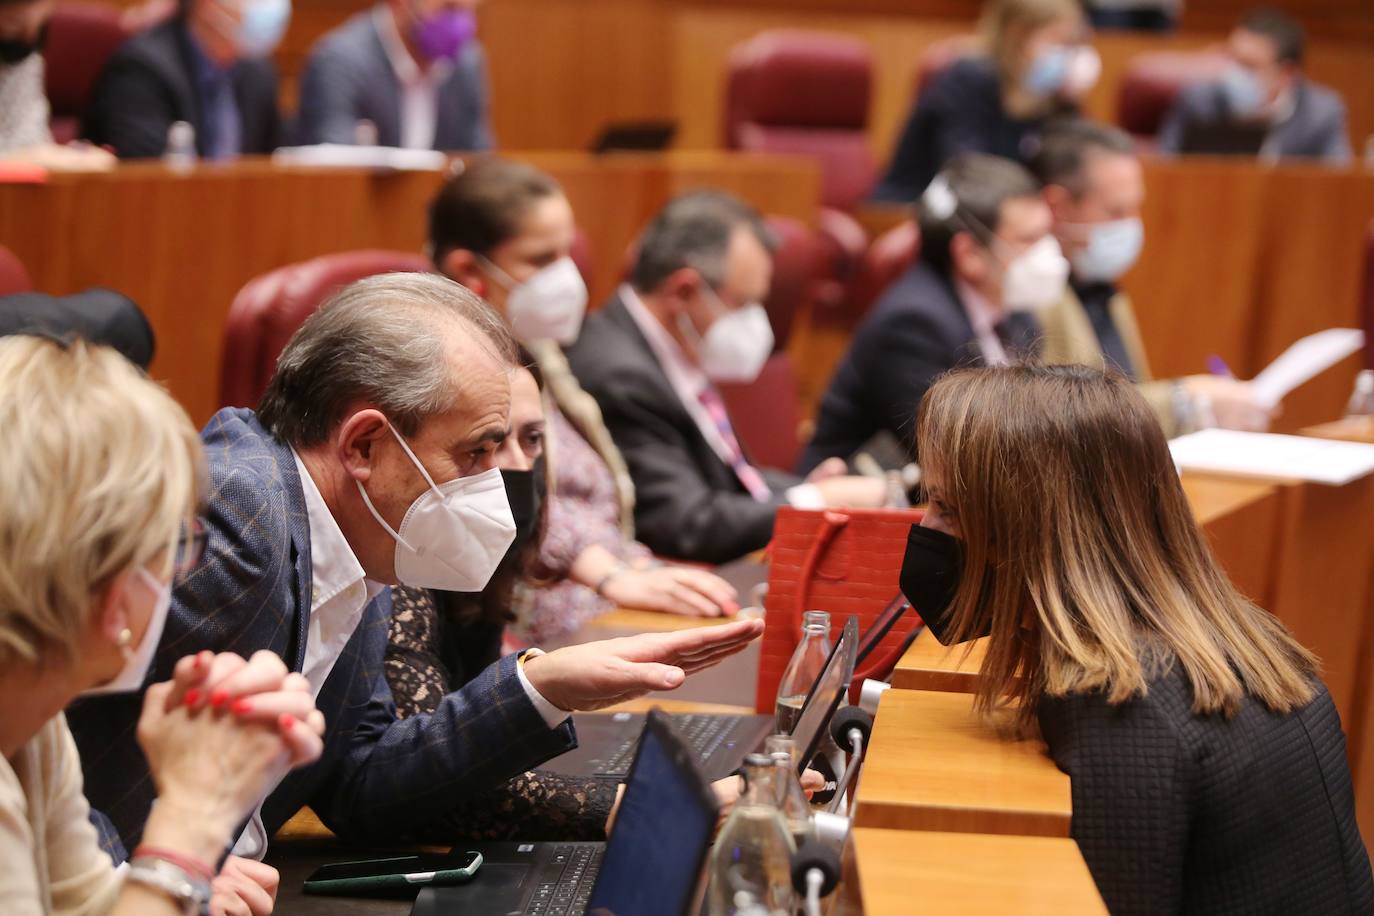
x: 565, y: 881
x: 704, y: 734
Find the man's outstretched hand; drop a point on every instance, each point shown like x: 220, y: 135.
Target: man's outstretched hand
x: 595, y: 675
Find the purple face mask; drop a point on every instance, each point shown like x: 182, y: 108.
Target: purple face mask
x: 443, y: 35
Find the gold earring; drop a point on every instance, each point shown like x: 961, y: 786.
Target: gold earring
x: 125, y: 637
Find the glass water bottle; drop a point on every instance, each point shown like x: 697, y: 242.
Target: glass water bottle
x: 802, y: 671
x: 751, y: 866
x: 796, y: 810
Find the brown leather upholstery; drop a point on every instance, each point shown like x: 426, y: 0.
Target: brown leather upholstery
x: 887, y: 259
x: 14, y: 277
x: 766, y: 414
x: 81, y: 38
x: 268, y: 310
x: 1154, y: 79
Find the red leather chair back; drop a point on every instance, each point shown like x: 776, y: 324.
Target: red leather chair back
x: 791, y: 91
x: 14, y: 278
x: 268, y: 310
x: 1367, y: 297
x: 766, y: 415
x: 81, y: 38
x: 1153, y: 80
x: 938, y: 57
x: 887, y: 259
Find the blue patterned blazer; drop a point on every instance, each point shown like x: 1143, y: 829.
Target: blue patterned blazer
x: 379, y: 776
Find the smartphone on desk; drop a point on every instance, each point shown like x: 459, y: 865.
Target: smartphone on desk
x: 381, y: 876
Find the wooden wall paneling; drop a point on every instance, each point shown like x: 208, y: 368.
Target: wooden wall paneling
x: 1195, y: 283
x: 1309, y: 274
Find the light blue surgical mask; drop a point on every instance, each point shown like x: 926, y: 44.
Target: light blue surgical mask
x: 1113, y: 247
x: 1243, y: 91
x: 1047, y: 73
x: 263, y: 25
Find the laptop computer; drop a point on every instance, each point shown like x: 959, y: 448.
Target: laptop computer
x: 651, y: 864
x: 1223, y: 138
x: 606, y: 742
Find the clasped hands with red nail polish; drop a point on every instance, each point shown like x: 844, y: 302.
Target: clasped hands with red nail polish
x: 260, y: 689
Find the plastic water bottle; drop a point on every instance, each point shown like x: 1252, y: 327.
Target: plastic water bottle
x: 803, y: 669
x: 1362, y: 398
x: 180, y: 154
x: 796, y: 810
x: 751, y: 866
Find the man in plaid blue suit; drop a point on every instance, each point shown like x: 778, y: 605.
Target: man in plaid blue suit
x: 301, y: 498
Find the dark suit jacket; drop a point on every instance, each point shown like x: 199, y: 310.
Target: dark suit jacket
x: 149, y: 83
x: 959, y: 111
x: 917, y: 331
x: 1177, y: 813
x: 1316, y: 129
x: 349, y: 78
x: 379, y: 777
x: 689, y: 504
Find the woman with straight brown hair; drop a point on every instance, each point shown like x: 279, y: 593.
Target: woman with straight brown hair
x: 1207, y: 760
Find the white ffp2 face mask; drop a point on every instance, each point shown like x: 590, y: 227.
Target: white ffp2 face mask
x: 454, y: 535
x: 137, y: 661
x: 549, y: 305
x: 1036, y: 278
x: 736, y: 345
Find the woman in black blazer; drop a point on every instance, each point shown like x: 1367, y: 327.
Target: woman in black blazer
x: 1207, y: 760
x: 1034, y: 64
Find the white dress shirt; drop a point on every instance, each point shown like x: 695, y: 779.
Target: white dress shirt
x: 688, y: 382
x: 419, y: 114
x: 984, y: 318
x: 339, y: 593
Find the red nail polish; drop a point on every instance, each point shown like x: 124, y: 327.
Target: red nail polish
x: 286, y: 721
x: 198, y: 664
x: 219, y: 698
x: 241, y: 707
x: 192, y: 696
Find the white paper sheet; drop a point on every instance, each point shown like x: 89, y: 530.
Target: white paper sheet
x: 338, y: 155
x: 1267, y: 455
x: 1305, y: 359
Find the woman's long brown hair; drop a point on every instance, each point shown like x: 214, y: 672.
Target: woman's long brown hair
x: 1081, y: 551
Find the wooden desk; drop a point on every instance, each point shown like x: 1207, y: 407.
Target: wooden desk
x: 1240, y: 518
x: 906, y: 873
x: 182, y: 245
x: 935, y: 765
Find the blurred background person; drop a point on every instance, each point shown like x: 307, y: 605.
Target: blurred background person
x: 505, y: 231
x: 1267, y: 85
x: 691, y: 316
x: 210, y: 66
x: 1036, y: 62
x: 24, y: 132
x: 1203, y: 750
x: 1095, y: 187
x: 413, y: 69
x: 99, y: 518
x: 988, y: 261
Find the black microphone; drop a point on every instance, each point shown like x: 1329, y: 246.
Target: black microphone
x: 847, y: 719
x: 815, y: 871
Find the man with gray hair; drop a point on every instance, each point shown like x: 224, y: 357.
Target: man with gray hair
x: 370, y: 462
x: 691, y: 316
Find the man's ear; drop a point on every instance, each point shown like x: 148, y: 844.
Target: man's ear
x: 1058, y: 198
x: 356, y: 440
x: 966, y: 257
x: 461, y: 266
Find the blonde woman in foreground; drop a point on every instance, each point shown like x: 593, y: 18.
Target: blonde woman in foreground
x: 98, y: 492
x: 1207, y: 761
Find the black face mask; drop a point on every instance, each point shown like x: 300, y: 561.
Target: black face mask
x: 525, y: 493
x: 931, y: 570
x: 14, y: 50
